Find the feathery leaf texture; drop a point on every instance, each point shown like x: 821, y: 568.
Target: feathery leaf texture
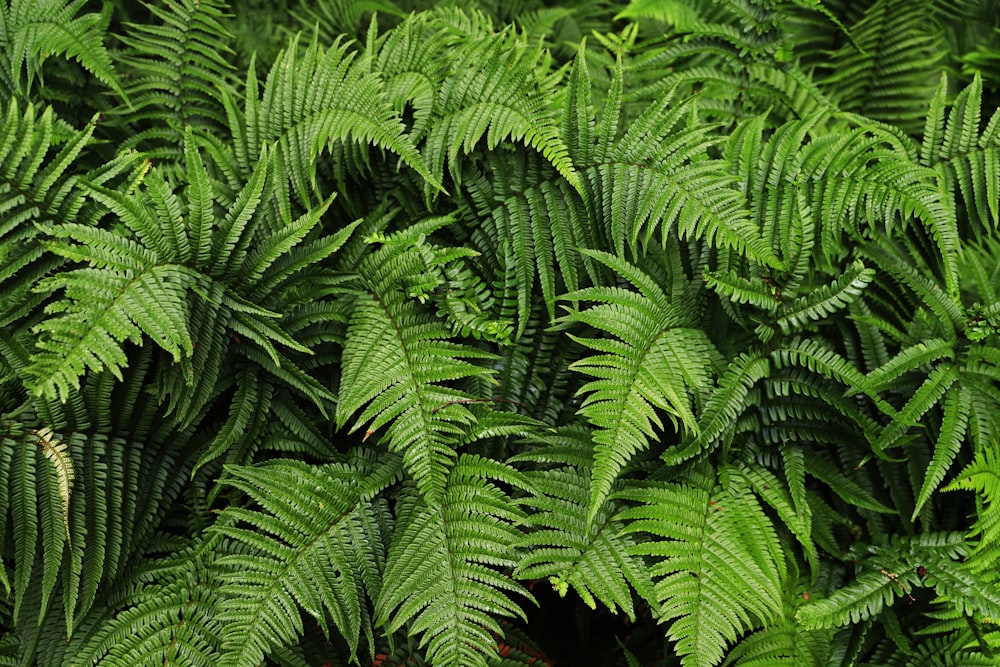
x: 713, y: 549
x: 32, y: 29
x: 176, y: 69
x: 442, y: 574
x: 592, y: 558
x: 653, y: 362
x: 397, y: 359
x: 332, y: 354
x: 316, y: 546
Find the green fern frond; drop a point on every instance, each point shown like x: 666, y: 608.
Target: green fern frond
x: 176, y: 65
x: 842, y: 484
x: 55, y: 451
x: 677, y: 13
x: 248, y: 411
x: 140, y: 282
x: 888, y: 79
x: 814, y: 356
x: 535, y: 371
x: 76, y: 539
x: 738, y: 289
x: 444, y: 574
x: 908, y: 359
x: 313, y: 97
x: 346, y: 17
x: 311, y: 547
x: 967, y: 159
x: 40, y: 186
x: 945, y: 307
x: 784, y: 643
x: 103, y: 307
x: 953, y: 650
x: 933, y: 560
x: 658, y: 178
x: 734, y: 55
x: 826, y: 300
x: 726, y: 402
x: 30, y: 29
x: 397, y: 358
x: 712, y: 548
x: 963, y: 589
x: 951, y: 437
x: 536, y: 223
x: 492, y: 89
x: 168, y: 616
x: 870, y: 176
x: 37, y: 512
x: 863, y: 599
x: 932, y: 390
x: 591, y: 557
x: 794, y: 513
x: 655, y: 361
x: 982, y: 476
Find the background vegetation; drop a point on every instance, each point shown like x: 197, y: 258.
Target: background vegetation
x: 499, y: 333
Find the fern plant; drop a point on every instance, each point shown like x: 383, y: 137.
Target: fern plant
x: 393, y: 332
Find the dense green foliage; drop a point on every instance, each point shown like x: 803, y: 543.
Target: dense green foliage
x: 359, y: 332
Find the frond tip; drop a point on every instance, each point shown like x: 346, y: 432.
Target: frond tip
x: 717, y: 556
x: 655, y: 361
x: 442, y: 576
x: 62, y: 463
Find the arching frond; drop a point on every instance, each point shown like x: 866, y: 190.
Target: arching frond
x: 32, y: 29
x: 175, y: 68
x: 291, y: 388
x: 535, y: 223
x: 79, y: 505
x: 442, y: 575
x: 491, y: 87
x: 397, y: 358
x: 172, y: 620
x: 127, y: 292
x: 896, y: 570
x: 794, y: 512
x: 590, y: 557
x: 826, y: 300
x: 725, y: 404
x: 713, y: 549
x: 310, y: 99
x: 954, y: 422
x: 40, y: 186
x: 656, y: 361
x: 316, y: 545
x: 785, y: 643
x: 966, y: 157
x: 888, y: 79
x: 657, y: 178
x: 982, y: 477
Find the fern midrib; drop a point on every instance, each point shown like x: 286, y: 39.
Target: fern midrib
x: 698, y: 575
x: 456, y: 604
x: 47, y: 214
x: 300, y: 552
x: 415, y: 386
x: 633, y: 392
x: 147, y: 270
x: 179, y: 89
